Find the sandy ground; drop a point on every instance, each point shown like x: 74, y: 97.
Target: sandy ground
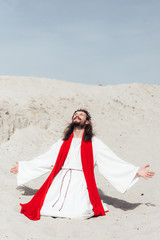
x: 33, y: 115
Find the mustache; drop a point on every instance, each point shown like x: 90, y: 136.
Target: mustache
x: 76, y: 117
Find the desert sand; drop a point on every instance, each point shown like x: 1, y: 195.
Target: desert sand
x: 33, y: 115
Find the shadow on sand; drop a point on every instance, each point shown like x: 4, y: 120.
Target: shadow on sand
x: 27, y: 190
x: 117, y: 203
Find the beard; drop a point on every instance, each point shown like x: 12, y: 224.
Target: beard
x: 79, y: 124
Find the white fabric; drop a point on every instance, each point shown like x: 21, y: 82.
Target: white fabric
x: 68, y: 194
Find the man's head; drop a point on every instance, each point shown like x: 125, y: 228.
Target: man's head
x: 81, y: 118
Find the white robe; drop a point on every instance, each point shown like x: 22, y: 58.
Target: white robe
x: 68, y: 194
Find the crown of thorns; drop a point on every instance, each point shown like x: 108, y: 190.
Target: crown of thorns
x: 85, y: 111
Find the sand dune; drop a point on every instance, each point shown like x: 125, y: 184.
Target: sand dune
x: 33, y: 115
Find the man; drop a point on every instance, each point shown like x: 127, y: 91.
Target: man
x: 70, y: 190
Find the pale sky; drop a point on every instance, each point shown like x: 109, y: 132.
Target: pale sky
x: 88, y: 41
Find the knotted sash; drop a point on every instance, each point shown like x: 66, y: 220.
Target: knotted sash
x: 32, y: 208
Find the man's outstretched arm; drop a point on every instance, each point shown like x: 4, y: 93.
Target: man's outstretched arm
x: 29, y: 170
x: 121, y: 174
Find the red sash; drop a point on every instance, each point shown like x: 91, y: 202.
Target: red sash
x: 32, y: 208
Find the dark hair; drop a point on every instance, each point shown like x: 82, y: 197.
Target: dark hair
x: 88, y: 134
x: 88, y: 115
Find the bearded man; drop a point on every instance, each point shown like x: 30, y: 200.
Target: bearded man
x: 70, y: 190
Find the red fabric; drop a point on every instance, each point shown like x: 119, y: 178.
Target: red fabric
x: 32, y: 208
x: 88, y: 169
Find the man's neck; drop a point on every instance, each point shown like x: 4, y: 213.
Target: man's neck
x: 78, y: 132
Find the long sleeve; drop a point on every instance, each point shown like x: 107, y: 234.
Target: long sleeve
x: 121, y: 174
x: 29, y: 170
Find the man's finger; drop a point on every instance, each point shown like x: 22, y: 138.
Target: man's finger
x: 146, y: 166
x: 151, y: 173
x: 145, y: 177
x: 12, y: 168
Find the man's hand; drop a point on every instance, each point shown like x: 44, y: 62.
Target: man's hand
x: 14, y: 169
x: 143, y: 172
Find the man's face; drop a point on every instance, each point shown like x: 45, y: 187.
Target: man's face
x: 79, y: 119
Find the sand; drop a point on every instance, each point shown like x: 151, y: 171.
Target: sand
x: 33, y: 115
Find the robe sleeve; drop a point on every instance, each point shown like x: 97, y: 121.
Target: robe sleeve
x: 29, y: 170
x: 121, y: 174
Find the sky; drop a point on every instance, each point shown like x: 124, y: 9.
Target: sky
x: 104, y: 42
